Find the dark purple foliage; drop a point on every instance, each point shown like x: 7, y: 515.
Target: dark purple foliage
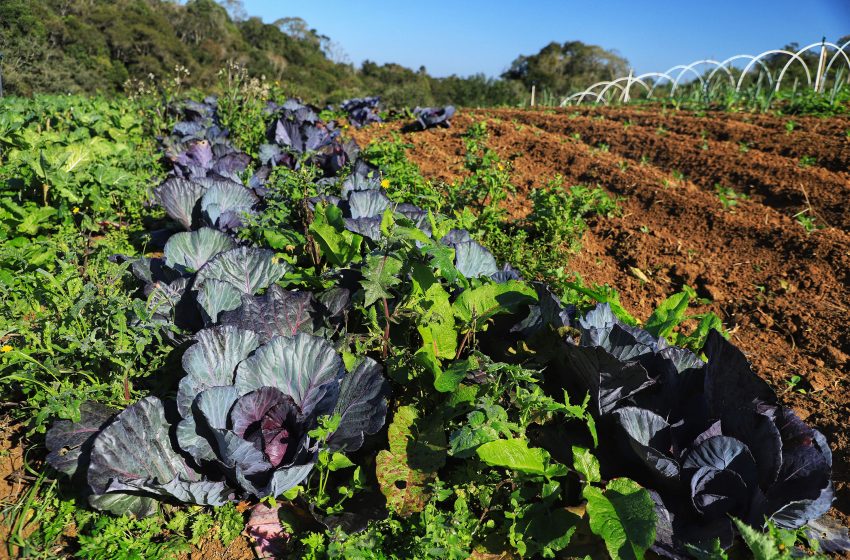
x: 429, y: 117
x: 709, y: 439
x: 244, y: 420
x: 296, y: 130
x: 362, y: 111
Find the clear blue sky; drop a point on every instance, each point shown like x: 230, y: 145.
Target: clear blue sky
x: 469, y: 36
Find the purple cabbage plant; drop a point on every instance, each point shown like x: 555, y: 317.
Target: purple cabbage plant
x: 239, y: 427
x: 296, y: 133
x: 362, y: 111
x: 198, y: 146
x: 430, y: 117
x: 363, y: 202
x: 202, y: 274
x: 708, y: 439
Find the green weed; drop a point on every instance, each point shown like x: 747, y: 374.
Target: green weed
x: 728, y: 196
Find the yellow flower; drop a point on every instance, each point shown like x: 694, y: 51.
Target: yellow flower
x: 501, y: 167
x: 385, y: 183
x: 275, y: 259
x: 6, y: 348
x: 76, y: 210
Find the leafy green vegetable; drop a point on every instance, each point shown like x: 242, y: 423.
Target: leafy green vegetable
x: 624, y: 516
x: 417, y: 449
x: 515, y: 454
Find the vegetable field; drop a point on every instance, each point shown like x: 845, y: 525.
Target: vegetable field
x: 245, y: 327
x: 751, y: 210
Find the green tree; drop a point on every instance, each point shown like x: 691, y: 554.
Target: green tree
x: 563, y: 68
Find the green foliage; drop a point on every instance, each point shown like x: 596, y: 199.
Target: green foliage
x: 566, y: 68
x: 807, y: 220
x: 242, y: 106
x: 589, y: 295
x: 728, y: 196
x: 539, y: 529
x: 160, y: 48
x: 557, y: 215
x: 379, y: 275
x: 673, y: 312
x: 73, y: 178
x: 43, y: 519
x: 514, y: 454
x: 808, y: 161
x: 417, y: 450
x: 773, y: 544
x: 402, y: 179
x: 337, y: 244
x: 624, y: 516
x: 487, y: 183
x: 586, y: 464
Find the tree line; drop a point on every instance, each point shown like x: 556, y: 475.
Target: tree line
x: 103, y: 46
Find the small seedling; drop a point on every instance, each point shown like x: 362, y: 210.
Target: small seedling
x: 793, y: 384
x: 743, y: 147
x: 806, y: 220
x: 728, y: 196
x: 808, y: 161
x: 789, y: 126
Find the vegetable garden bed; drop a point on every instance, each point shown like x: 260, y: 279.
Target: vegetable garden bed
x: 318, y: 341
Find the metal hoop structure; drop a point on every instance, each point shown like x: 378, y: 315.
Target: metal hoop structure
x: 677, y: 74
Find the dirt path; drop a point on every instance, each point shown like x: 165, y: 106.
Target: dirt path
x: 782, y: 292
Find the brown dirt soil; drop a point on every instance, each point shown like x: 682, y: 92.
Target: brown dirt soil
x: 13, y: 483
x: 772, y: 180
x: 213, y: 550
x: 781, y: 292
x: 825, y: 127
x: 833, y: 153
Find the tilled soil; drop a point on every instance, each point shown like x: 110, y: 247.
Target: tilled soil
x: 772, y: 180
x: 782, y: 292
x: 807, y: 137
x: 14, y: 481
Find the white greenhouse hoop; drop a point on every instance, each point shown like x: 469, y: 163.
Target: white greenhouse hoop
x: 675, y: 75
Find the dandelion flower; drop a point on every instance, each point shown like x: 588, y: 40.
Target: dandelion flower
x: 6, y: 348
x: 385, y: 183
x: 75, y: 210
